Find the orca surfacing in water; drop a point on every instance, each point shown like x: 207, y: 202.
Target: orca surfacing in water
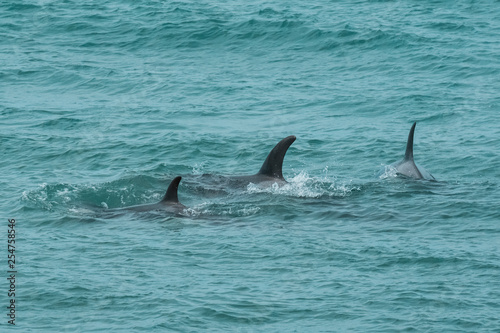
x: 272, y: 169
x: 170, y: 202
x: 407, y: 166
x: 270, y: 172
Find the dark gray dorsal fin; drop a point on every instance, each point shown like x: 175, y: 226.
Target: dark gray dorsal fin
x: 409, y: 144
x: 273, y: 164
x: 171, y: 195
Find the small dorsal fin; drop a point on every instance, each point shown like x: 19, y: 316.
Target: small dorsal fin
x: 171, y: 194
x: 409, y: 144
x: 273, y: 164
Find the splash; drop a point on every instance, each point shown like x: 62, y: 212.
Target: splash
x: 46, y: 196
x: 198, y: 168
x: 388, y: 171
x: 81, y: 211
x: 304, y: 186
x: 343, y: 190
x: 221, y: 209
x: 58, y: 196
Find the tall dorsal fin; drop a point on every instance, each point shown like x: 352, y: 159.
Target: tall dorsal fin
x: 273, y: 164
x: 171, y: 195
x: 409, y: 144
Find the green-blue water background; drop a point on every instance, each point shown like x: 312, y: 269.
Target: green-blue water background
x: 102, y: 103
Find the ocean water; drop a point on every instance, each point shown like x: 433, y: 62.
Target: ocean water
x: 103, y: 103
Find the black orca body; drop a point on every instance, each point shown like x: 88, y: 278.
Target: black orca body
x: 170, y: 202
x: 269, y: 173
x: 272, y: 168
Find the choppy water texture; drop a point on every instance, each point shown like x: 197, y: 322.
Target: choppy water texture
x: 102, y: 103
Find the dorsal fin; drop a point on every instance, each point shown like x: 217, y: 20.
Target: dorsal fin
x: 273, y: 164
x: 409, y: 144
x: 171, y: 194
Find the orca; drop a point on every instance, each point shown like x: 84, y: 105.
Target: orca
x: 407, y: 167
x: 170, y: 202
x: 272, y: 168
x: 270, y: 172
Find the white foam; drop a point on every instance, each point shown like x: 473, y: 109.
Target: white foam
x: 64, y: 194
x: 198, y: 168
x: 81, y: 211
x: 208, y: 208
x: 388, y: 171
x: 304, y: 186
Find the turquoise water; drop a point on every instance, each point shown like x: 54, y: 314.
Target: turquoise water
x: 103, y: 103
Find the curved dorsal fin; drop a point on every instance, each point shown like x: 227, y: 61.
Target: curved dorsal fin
x: 171, y: 194
x: 273, y: 164
x: 409, y: 144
